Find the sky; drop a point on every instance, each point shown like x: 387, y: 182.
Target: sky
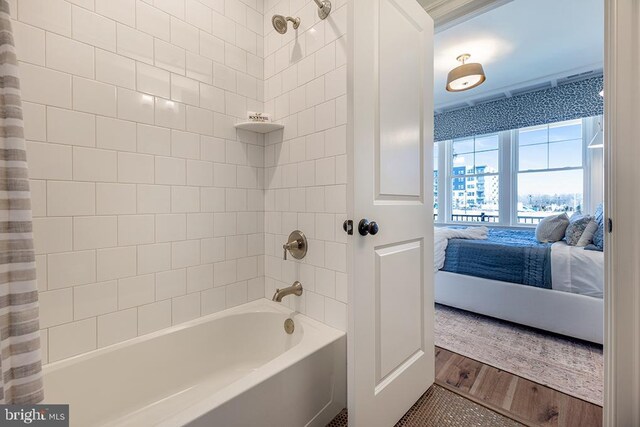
x: 564, y: 182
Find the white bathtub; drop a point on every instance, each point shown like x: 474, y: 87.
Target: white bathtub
x: 233, y: 368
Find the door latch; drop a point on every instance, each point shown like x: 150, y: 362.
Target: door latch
x: 347, y: 226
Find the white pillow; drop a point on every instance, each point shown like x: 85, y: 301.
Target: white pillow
x: 551, y: 229
x: 587, y: 234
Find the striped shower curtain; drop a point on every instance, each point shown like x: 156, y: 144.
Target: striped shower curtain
x: 20, y: 362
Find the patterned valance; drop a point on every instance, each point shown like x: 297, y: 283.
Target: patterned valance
x: 565, y: 102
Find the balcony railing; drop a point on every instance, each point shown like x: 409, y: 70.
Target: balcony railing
x: 474, y: 218
x: 529, y: 219
x: 522, y: 219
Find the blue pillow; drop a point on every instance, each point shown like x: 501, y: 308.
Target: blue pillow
x: 592, y: 247
x: 577, y: 225
x: 598, y: 236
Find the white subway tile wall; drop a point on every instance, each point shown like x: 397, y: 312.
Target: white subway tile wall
x: 305, y: 87
x: 150, y: 209
x: 148, y: 205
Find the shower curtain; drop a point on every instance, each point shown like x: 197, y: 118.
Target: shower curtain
x: 20, y: 361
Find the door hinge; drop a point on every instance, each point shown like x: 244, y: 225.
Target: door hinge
x: 610, y: 225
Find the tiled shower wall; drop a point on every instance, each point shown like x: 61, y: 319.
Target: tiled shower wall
x: 306, y: 165
x: 148, y: 206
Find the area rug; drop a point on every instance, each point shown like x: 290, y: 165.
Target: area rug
x: 568, y: 365
x: 438, y: 407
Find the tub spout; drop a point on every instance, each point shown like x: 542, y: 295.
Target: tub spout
x: 295, y: 289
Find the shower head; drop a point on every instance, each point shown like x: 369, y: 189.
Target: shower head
x: 280, y: 23
x: 324, y: 8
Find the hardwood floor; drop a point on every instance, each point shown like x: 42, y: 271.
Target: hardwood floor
x: 518, y: 398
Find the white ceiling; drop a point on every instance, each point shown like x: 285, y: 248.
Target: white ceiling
x: 520, y: 44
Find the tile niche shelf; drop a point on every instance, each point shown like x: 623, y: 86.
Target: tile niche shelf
x: 259, y: 127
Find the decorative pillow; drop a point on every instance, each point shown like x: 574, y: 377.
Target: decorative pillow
x: 587, y: 235
x: 592, y: 247
x: 552, y: 228
x: 598, y: 236
x: 577, y: 225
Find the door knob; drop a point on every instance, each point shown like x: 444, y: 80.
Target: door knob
x: 367, y: 227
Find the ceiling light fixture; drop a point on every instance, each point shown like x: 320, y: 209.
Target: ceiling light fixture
x: 465, y: 76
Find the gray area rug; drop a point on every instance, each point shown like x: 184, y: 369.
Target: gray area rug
x: 438, y: 407
x: 568, y: 365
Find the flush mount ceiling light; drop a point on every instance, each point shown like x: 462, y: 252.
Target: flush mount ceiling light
x: 466, y: 76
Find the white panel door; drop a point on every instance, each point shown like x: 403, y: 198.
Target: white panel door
x: 390, y: 102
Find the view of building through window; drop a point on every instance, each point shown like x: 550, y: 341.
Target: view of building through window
x: 546, y: 174
x: 475, y: 180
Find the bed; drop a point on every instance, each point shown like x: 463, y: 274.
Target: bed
x: 511, y: 276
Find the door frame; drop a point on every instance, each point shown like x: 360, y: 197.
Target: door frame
x: 447, y: 13
x: 622, y: 301
x: 622, y: 199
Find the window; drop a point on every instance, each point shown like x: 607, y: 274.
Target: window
x: 475, y: 179
x: 550, y: 173
x: 514, y: 177
x: 435, y: 182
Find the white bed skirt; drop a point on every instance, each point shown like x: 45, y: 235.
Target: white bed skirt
x: 564, y: 313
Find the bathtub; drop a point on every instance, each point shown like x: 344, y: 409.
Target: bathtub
x: 235, y: 368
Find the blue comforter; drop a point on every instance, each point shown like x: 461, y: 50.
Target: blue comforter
x: 507, y: 255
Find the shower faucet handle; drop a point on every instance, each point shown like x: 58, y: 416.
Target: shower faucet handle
x: 289, y: 247
x: 286, y: 247
x: 296, y: 245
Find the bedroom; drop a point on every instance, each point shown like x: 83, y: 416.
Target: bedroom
x: 519, y: 304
